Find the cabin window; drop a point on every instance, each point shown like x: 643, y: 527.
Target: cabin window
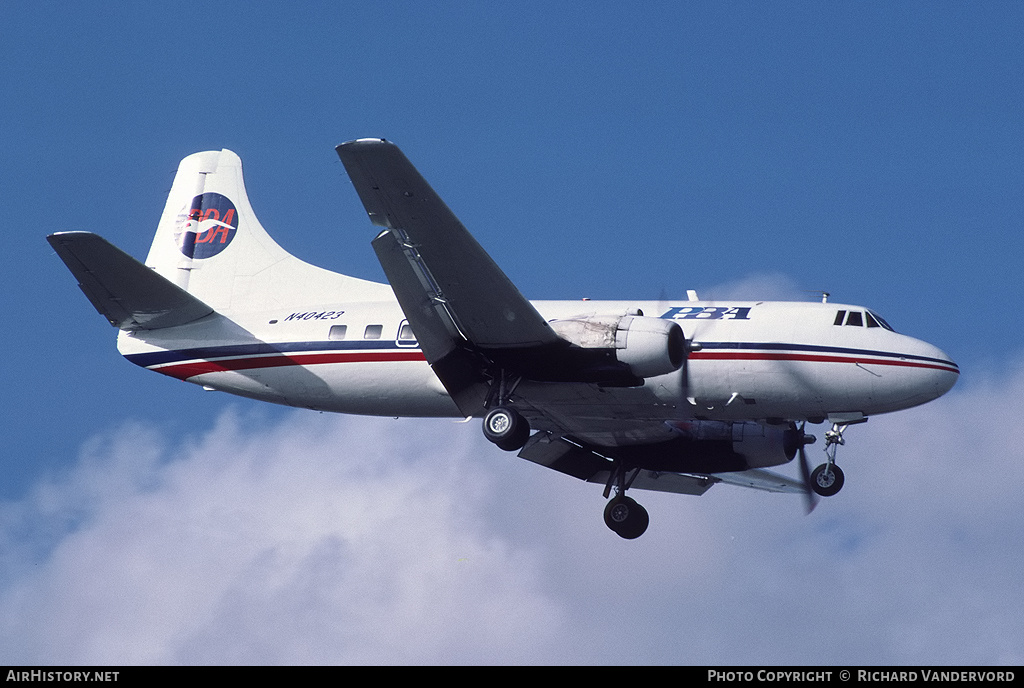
x: 855, y: 318
x: 337, y: 332
x: 405, y: 333
x: 840, y: 317
x: 373, y: 331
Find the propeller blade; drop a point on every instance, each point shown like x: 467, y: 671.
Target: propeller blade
x: 810, y: 497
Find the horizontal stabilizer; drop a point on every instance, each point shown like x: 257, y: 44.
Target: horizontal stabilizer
x: 128, y: 294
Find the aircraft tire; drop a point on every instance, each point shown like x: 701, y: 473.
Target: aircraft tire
x: 506, y: 428
x: 827, y: 483
x: 626, y: 518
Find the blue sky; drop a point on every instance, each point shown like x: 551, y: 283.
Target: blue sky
x: 872, y: 150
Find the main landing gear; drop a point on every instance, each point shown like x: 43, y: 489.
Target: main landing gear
x: 503, y: 425
x: 506, y: 428
x: 623, y: 515
x: 827, y: 479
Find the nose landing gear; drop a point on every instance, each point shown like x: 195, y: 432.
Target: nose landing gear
x: 827, y: 479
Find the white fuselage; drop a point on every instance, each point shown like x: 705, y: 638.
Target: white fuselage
x: 758, y: 361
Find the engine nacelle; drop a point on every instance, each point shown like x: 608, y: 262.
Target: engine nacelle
x: 649, y: 346
x: 711, y: 446
x: 751, y: 445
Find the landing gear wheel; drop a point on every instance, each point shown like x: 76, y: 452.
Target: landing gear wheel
x: 626, y: 518
x: 506, y: 428
x: 827, y: 479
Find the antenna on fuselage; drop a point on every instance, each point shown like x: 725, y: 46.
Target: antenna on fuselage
x: 824, y: 294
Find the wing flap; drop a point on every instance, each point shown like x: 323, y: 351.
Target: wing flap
x: 554, y: 452
x: 450, y: 266
x: 128, y: 294
x: 433, y: 325
x: 660, y: 481
x: 456, y: 367
x: 760, y: 479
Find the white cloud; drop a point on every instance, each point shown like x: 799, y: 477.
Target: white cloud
x: 328, y: 539
x: 321, y: 539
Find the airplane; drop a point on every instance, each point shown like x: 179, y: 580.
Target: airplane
x: 672, y: 396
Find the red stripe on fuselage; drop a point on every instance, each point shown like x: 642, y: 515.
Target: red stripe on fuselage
x: 814, y: 358
x: 183, y: 371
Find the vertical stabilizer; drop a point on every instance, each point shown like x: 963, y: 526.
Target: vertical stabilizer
x: 210, y: 243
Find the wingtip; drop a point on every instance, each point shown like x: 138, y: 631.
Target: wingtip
x: 362, y: 143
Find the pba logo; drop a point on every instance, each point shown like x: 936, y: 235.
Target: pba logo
x: 208, y: 227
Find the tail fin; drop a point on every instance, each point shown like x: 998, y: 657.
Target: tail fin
x: 210, y: 244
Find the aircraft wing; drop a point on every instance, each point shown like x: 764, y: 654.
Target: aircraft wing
x: 449, y: 274
x: 567, y: 456
x: 128, y: 294
x: 471, y: 322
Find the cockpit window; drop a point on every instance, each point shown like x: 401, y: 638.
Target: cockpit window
x: 858, y: 319
x: 881, y: 321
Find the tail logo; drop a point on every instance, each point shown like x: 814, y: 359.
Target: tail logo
x: 208, y: 227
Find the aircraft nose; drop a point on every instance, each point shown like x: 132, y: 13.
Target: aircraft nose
x: 938, y: 372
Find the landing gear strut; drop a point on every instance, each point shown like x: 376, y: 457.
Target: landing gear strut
x: 827, y: 479
x: 623, y: 515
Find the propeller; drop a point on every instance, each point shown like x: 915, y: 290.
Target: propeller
x: 683, y: 404
x: 810, y: 497
x: 798, y: 437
